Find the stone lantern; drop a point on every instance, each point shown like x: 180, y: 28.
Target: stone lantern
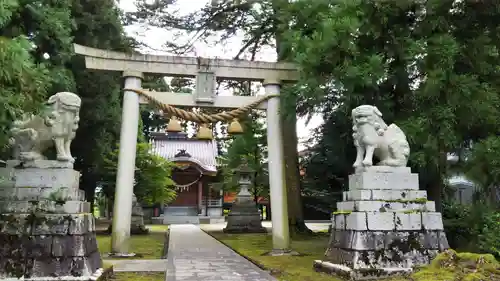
x: 245, y: 176
x: 244, y: 216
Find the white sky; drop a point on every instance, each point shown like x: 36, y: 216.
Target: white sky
x: 156, y: 38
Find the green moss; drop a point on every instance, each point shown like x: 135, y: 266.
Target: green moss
x: 432, y: 274
x: 484, y: 258
x: 474, y: 277
x: 444, y: 259
x: 158, y: 228
x: 463, y: 267
x: 342, y: 213
x: 417, y: 201
x: 58, y: 196
x: 106, y: 265
x: 138, y: 276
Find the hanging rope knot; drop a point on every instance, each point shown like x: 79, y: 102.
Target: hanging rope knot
x: 201, y: 117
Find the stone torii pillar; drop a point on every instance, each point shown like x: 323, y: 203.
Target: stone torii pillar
x: 124, y: 189
x: 279, y: 215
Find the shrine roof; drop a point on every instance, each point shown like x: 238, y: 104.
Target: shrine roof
x: 177, y: 147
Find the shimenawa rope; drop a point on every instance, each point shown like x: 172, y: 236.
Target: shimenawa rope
x: 201, y: 117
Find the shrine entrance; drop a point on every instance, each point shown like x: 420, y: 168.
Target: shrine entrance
x: 207, y: 72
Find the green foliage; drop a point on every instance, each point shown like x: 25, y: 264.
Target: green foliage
x: 7, y: 9
x: 211, y: 24
x: 24, y: 83
x: 489, y: 240
x: 152, y: 119
x: 472, y: 228
x: 410, y: 59
x: 483, y: 167
x: 49, y: 27
x: 153, y: 182
x: 29, y: 31
x: 36, y: 52
x: 250, y: 146
x: 98, y: 25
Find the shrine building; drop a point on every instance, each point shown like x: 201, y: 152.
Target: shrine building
x: 195, y: 170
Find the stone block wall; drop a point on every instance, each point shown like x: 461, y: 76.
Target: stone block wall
x: 46, y: 229
x: 39, y: 245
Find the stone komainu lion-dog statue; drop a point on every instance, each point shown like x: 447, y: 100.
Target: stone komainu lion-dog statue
x: 55, y: 126
x: 372, y: 137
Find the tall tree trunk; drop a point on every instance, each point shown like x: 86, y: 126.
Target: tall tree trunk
x: 289, y: 134
x: 110, y: 204
x: 434, y: 192
x: 88, y: 184
x: 435, y: 187
x: 292, y: 177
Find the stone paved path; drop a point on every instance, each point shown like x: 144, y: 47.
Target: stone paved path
x: 194, y: 255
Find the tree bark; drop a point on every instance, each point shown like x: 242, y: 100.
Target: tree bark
x: 289, y: 133
x: 88, y: 184
x: 292, y: 177
x: 435, y: 187
x: 434, y: 192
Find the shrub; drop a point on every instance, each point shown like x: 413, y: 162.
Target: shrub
x: 489, y: 238
x: 472, y: 228
x: 456, y: 225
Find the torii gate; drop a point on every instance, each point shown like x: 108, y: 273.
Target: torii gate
x: 206, y: 72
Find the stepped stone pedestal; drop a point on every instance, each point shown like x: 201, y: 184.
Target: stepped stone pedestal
x: 383, y: 226
x: 47, y: 231
x: 244, y: 217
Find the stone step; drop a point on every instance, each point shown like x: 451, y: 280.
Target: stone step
x: 379, y: 240
x: 381, y: 194
x: 46, y: 178
x: 387, y: 221
x: 212, y: 220
x: 378, y: 180
x: 47, y: 224
x: 44, y: 206
x: 181, y: 211
x: 38, y: 193
x: 181, y: 219
x: 386, y: 206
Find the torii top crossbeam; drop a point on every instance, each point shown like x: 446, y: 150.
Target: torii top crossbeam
x: 187, y: 66
x: 206, y: 71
